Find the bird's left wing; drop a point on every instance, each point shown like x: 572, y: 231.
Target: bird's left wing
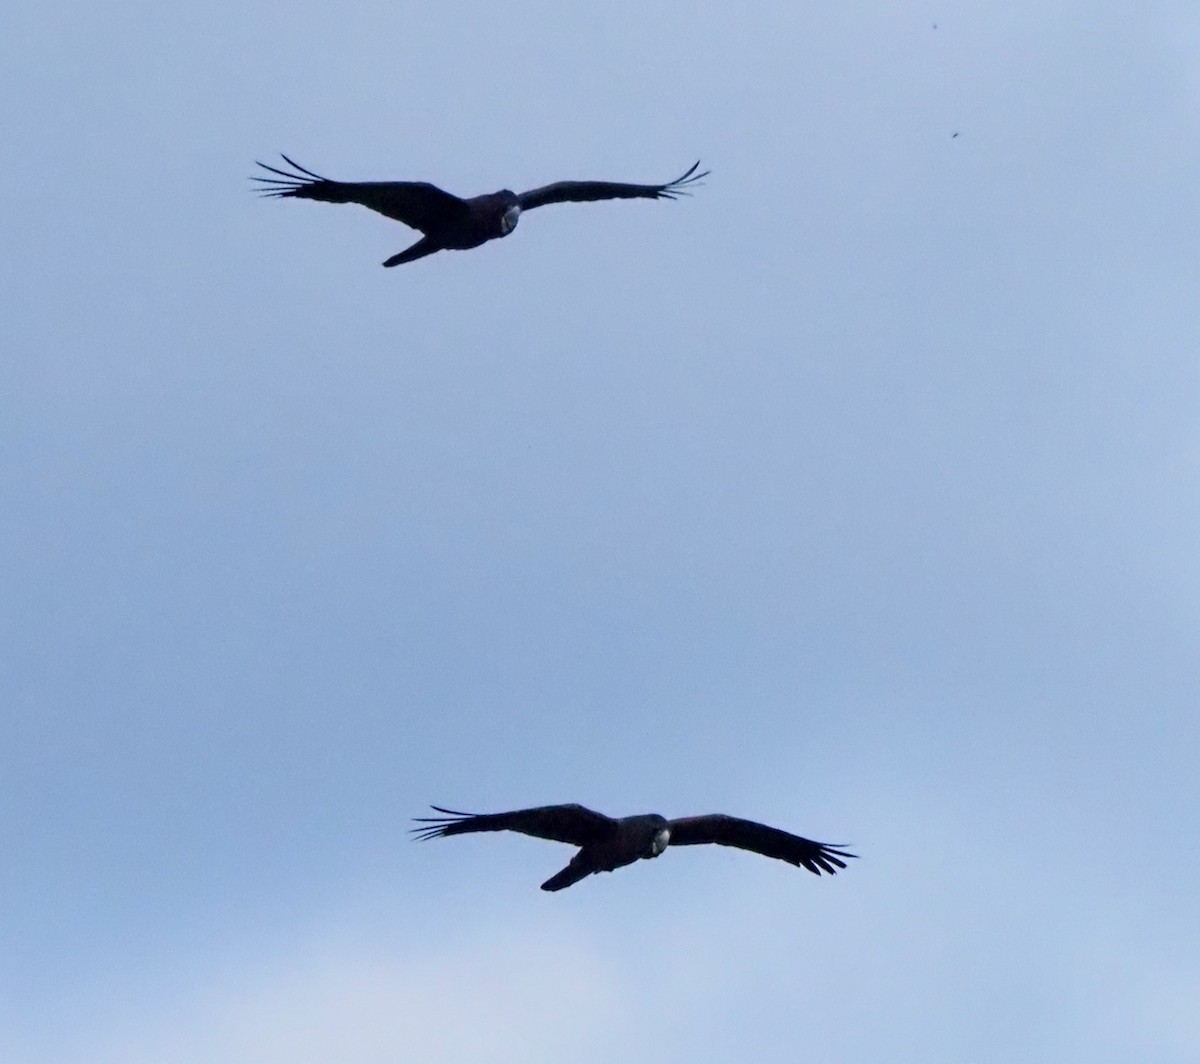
x: 559, y: 823
x: 584, y: 191
x: 417, y: 204
x: 723, y: 830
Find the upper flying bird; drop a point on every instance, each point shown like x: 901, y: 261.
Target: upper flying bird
x: 447, y: 221
x: 606, y: 843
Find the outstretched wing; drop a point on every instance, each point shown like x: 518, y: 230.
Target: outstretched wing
x: 584, y: 191
x: 723, y: 830
x: 559, y: 823
x: 417, y: 204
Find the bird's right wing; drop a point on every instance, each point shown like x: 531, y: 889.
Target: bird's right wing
x: 724, y: 830
x: 559, y: 823
x: 417, y: 204
x: 588, y: 191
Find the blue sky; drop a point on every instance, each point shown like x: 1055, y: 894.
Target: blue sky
x: 857, y: 494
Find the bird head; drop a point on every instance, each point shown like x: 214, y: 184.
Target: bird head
x: 508, y: 220
x: 658, y: 836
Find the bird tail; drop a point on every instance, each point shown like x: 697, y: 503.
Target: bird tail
x: 578, y: 869
x: 424, y: 246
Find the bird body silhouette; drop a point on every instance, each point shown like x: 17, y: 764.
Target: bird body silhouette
x: 447, y: 222
x: 607, y: 843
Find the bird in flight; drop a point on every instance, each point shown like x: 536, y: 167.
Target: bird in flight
x: 607, y: 843
x: 446, y: 221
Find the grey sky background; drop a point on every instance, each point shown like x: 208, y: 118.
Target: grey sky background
x: 857, y: 494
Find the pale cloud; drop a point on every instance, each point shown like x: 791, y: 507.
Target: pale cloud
x: 1168, y: 1013
x: 525, y: 996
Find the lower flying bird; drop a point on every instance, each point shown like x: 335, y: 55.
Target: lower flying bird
x: 606, y: 843
x: 451, y: 223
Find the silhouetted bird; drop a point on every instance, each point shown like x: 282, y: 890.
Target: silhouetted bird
x: 451, y: 223
x: 606, y: 843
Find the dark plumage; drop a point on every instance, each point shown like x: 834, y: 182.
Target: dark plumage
x: 451, y: 223
x: 606, y: 843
